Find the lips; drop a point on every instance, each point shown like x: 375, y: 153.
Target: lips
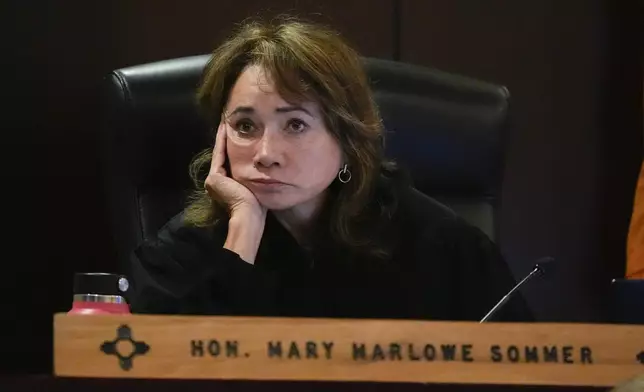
x: 267, y: 181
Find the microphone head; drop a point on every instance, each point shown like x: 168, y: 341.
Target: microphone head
x: 545, y: 265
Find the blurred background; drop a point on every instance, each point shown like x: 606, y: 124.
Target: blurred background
x: 574, y: 69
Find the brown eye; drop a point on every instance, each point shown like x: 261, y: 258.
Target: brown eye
x: 297, y: 126
x: 244, y: 126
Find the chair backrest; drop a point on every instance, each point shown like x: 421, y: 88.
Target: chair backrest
x: 627, y: 301
x: 446, y: 129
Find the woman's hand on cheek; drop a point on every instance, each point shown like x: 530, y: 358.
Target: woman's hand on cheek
x: 223, y: 189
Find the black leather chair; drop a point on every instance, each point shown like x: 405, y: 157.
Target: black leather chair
x: 446, y: 129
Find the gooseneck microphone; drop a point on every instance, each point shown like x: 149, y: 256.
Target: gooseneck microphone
x: 542, y: 267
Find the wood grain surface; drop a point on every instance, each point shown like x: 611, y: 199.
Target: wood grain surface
x: 182, y: 347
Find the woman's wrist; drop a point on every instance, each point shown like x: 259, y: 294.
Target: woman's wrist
x: 245, y: 229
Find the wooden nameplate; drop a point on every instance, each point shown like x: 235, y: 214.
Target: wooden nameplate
x: 182, y: 347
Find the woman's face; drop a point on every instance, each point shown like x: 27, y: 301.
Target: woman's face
x: 281, y: 151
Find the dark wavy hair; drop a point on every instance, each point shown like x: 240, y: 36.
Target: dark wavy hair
x: 309, y: 62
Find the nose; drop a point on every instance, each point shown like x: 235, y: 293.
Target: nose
x: 269, y: 150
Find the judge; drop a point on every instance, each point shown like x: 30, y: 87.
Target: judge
x: 297, y: 213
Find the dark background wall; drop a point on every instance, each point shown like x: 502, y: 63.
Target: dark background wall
x: 574, y: 69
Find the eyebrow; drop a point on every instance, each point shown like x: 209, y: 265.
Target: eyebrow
x: 284, y: 109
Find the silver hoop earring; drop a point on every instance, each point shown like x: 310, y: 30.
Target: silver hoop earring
x: 344, y: 175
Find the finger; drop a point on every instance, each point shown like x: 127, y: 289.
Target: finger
x: 219, y: 150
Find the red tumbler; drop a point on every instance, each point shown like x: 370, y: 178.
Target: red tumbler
x: 99, y: 293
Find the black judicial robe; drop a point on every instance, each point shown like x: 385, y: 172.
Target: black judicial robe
x: 441, y: 268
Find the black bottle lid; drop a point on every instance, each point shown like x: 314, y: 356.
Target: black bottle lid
x: 100, y: 283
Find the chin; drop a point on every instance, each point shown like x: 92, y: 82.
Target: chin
x: 277, y: 202
x: 285, y: 200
